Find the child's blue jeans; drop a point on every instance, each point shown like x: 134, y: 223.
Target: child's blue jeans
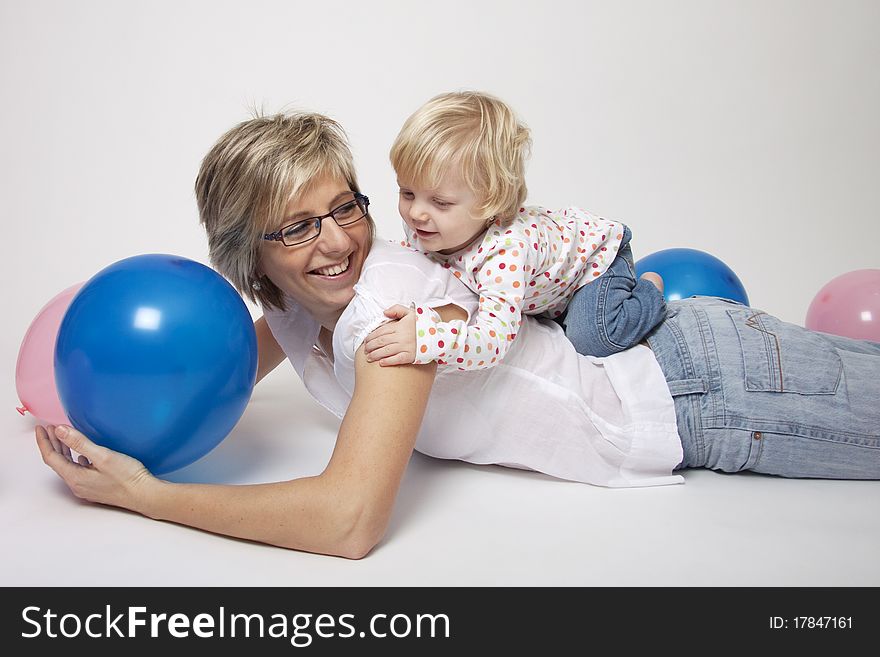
x: 616, y: 310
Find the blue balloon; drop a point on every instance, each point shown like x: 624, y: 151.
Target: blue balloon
x: 689, y: 272
x: 156, y: 357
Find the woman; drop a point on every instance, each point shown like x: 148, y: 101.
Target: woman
x: 720, y: 385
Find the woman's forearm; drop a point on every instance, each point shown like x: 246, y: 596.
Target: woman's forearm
x: 337, y: 512
x: 343, y: 511
x: 303, y: 514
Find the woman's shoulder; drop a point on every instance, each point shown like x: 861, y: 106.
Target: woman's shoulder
x: 391, y: 253
x: 395, y: 274
x: 395, y: 265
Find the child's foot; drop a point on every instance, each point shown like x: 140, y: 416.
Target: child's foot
x: 655, y: 278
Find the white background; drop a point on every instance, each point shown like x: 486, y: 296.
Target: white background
x: 745, y: 129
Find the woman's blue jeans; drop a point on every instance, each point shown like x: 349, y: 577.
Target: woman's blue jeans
x: 754, y: 393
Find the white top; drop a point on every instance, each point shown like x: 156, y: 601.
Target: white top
x: 530, y: 265
x: 605, y: 421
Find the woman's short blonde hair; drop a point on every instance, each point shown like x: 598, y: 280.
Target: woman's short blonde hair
x: 477, y: 134
x: 250, y: 176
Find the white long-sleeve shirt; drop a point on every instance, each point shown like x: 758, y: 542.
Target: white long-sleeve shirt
x: 531, y: 265
x: 605, y: 421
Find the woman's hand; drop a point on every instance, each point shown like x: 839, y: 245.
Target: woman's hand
x: 98, y: 474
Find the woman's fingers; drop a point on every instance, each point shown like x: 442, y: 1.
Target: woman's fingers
x: 76, y: 441
x: 53, y: 457
x: 98, y: 474
x: 50, y: 433
x: 46, y: 441
x: 65, y: 451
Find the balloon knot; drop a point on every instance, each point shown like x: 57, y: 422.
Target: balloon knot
x: 21, y: 409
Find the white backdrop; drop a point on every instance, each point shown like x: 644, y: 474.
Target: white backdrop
x: 747, y: 129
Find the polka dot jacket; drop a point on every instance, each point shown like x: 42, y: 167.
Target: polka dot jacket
x: 531, y: 265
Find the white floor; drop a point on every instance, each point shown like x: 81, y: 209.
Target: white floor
x: 454, y: 523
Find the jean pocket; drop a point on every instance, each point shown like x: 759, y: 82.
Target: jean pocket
x: 782, y: 357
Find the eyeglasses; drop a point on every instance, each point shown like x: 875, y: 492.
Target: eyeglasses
x: 306, y: 230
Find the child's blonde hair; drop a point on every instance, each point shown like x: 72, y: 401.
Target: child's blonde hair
x: 479, y: 135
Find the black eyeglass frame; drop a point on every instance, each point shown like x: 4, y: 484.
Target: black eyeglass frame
x: 360, y: 199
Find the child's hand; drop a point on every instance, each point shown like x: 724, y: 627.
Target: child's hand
x: 393, y: 343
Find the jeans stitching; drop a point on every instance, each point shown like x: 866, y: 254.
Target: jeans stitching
x: 772, y: 425
x: 756, y: 448
x: 605, y: 282
x: 716, y: 398
x: 686, y: 360
x: 774, y: 372
x: 754, y: 322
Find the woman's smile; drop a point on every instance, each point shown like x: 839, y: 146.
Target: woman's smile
x: 332, y: 271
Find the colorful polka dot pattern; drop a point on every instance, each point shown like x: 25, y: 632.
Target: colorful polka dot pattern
x: 530, y: 266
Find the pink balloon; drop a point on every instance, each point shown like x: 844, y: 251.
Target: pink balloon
x: 848, y: 305
x: 35, y: 369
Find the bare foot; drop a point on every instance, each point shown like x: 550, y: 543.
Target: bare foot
x: 655, y: 278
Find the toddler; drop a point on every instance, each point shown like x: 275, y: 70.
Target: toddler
x: 460, y: 162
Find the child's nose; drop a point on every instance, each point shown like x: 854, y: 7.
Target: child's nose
x: 418, y: 211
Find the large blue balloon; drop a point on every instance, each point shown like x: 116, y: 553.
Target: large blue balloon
x: 689, y: 272
x: 156, y: 357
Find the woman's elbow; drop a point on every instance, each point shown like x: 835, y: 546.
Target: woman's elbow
x: 358, y: 549
x: 365, y: 530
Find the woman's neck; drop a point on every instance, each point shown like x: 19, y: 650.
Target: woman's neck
x: 325, y: 342
x: 328, y: 322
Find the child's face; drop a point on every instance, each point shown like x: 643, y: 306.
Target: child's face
x: 442, y: 217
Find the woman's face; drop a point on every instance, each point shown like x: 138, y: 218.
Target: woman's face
x: 319, y: 274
